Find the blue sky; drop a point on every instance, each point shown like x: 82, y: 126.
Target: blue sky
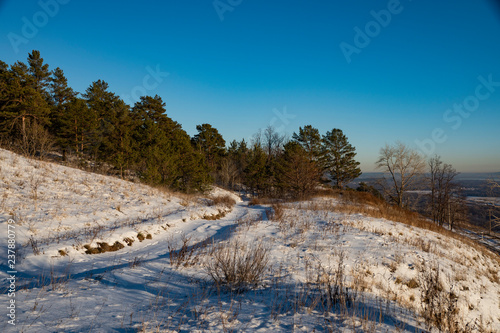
x: 281, y: 63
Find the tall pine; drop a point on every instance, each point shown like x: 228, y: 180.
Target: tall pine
x: 310, y: 139
x: 24, y: 109
x: 298, y: 175
x: 61, y: 96
x: 338, y: 158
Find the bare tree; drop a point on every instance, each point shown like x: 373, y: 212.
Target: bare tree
x: 404, y: 165
x: 494, y: 208
x: 273, y: 141
x: 228, y: 172
x: 35, y: 140
x: 443, y: 191
x: 458, y: 210
x: 256, y: 139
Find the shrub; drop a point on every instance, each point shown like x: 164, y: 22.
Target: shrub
x: 238, y: 266
x: 439, y: 307
x: 186, y: 255
x: 223, y: 200
x: 332, y: 287
x: 277, y: 212
x: 255, y: 202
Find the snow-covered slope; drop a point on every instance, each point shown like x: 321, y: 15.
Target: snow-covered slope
x: 325, y: 271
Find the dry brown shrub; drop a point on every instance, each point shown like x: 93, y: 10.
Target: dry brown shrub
x: 223, y: 200
x: 212, y: 217
x: 255, y: 202
x: 276, y: 213
x: 262, y: 201
x: 238, y: 266
x: 103, y: 247
x: 187, y: 254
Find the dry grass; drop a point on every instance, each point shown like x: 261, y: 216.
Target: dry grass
x: 217, y: 216
x: 439, y: 306
x: 276, y: 213
x: 103, y: 247
x: 353, y: 202
x: 238, y: 266
x: 223, y: 200
x: 186, y: 255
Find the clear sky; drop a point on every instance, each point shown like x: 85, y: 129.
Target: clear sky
x: 381, y: 71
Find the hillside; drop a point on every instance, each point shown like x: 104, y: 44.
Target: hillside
x: 98, y: 254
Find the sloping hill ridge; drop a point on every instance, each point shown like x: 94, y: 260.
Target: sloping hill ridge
x: 156, y: 260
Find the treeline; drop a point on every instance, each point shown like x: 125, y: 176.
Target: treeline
x: 41, y: 113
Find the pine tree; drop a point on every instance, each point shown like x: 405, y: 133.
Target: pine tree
x: 298, y: 175
x: 101, y: 103
x: 75, y: 126
x: 61, y: 93
x: 39, y: 72
x: 256, y: 172
x: 310, y: 139
x: 61, y: 96
x: 116, y: 146
x: 193, y: 170
x: 8, y: 102
x: 165, y: 154
x: 210, y: 142
x: 338, y: 158
x: 157, y: 161
x: 22, y: 105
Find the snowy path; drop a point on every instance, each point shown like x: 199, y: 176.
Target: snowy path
x: 38, y: 273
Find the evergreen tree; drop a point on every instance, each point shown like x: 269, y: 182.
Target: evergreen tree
x: 61, y: 93
x: 338, y: 158
x: 22, y: 106
x: 211, y: 143
x: 116, y: 146
x: 8, y: 102
x: 61, y: 96
x: 310, y: 139
x: 166, y: 155
x: 157, y: 161
x: 193, y: 170
x: 256, y: 172
x: 39, y: 72
x: 101, y: 104
x: 298, y: 175
x: 236, y: 162
x: 75, y: 125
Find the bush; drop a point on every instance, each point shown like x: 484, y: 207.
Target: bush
x: 332, y: 287
x: 439, y: 307
x: 223, y: 200
x: 276, y: 213
x: 238, y: 266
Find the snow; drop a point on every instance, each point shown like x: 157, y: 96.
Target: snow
x: 149, y: 287
x: 485, y: 200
